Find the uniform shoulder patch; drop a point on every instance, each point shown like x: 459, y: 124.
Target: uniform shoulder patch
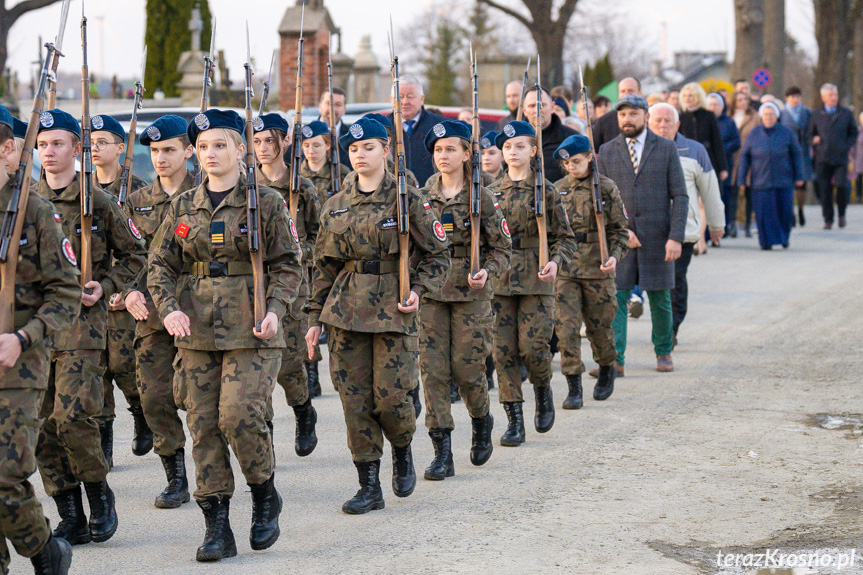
x: 182, y: 230
x: 134, y: 229
x: 57, y: 217
x: 439, y: 231
x: 426, y: 205
x: 68, y: 252
x: 293, y: 226
x: 504, y: 227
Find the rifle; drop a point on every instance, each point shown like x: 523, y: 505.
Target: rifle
x: 594, y: 174
x: 265, y: 96
x: 253, y: 214
x: 296, y: 151
x: 539, y: 177
x: 209, y: 66
x: 476, y: 173
x: 86, y: 164
x: 133, y: 133
x: 335, y: 154
x: 520, y: 114
x: 401, y: 181
x: 13, y: 221
x: 55, y: 56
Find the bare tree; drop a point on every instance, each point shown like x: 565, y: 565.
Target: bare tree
x: 857, y: 73
x: 749, y: 37
x: 8, y: 17
x: 835, y: 23
x: 774, y: 45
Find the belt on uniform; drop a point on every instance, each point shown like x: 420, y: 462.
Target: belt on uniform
x: 524, y: 243
x: 459, y: 252
x: 218, y: 269
x: 372, y: 267
x: 588, y: 238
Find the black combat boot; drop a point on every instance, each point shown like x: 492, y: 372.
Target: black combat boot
x: 54, y: 558
x: 454, y: 394
x: 142, y: 441
x: 106, y: 431
x: 306, y: 440
x: 103, y: 514
x: 314, y: 378
x: 404, y: 475
x: 73, y: 526
x: 414, y: 394
x: 266, y: 507
x: 441, y: 466
x: 489, y: 372
x: 370, y: 496
x: 219, y: 539
x: 574, y: 400
x: 514, y: 434
x: 543, y: 420
x: 481, y: 445
x: 177, y: 491
x: 605, y: 384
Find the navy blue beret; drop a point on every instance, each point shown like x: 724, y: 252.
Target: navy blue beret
x: 316, y: 128
x: 6, y: 117
x: 19, y: 128
x: 213, y: 118
x: 58, y: 120
x: 167, y: 127
x: 572, y: 145
x: 446, y: 129
x: 385, y: 122
x: 363, y: 129
x: 271, y: 121
x: 514, y: 130
x: 103, y: 123
x: 487, y: 141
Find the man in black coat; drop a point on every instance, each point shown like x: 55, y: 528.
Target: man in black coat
x: 553, y: 132
x: 513, y: 99
x: 832, y: 132
x: 416, y: 123
x: 607, y: 128
x: 339, y: 99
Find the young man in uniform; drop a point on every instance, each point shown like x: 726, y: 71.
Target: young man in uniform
x: 46, y: 300
x: 108, y: 139
x: 154, y: 347
x: 69, y: 451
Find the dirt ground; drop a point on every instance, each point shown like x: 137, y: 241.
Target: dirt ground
x: 755, y: 442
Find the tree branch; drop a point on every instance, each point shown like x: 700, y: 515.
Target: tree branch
x: 506, y: 10
x: 566, y: 11
x: 22, y: 8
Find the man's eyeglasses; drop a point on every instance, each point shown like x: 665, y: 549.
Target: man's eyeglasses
x: 100, y: 145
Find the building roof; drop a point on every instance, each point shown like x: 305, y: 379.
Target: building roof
x: 313, y: 19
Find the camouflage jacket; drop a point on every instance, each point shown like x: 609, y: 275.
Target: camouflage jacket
x: 322, y: 179
x: 117, y: 253
x: 220, y: 308
x: 357, y: 226
x: 47, y: 282
x: 309, y: 216
x: 577, y: 198
x: 147, y: 208
x: 517, y: 201
x: 454, y: 214
x: 487, y: 180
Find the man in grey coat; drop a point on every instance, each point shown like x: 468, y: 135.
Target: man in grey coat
x: 647, y: 171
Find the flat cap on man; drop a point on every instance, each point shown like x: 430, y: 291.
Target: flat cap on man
x: 633, y: 101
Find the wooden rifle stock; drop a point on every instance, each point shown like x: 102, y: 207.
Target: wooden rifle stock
x: 253, y: 213
x: 401, y: 181
x: 539, y: 183
x: 476, y: 175
x: 594, y: 174
x: 86, y: 168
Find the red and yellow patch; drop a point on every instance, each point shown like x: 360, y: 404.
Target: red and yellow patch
x: 182, y: 230
x: 439, y: 231
x: 68, y: 252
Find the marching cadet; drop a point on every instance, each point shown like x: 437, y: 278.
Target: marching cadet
x: 170, y: 148
x: 269, y: 142
x: 69, y: 451
x: 19, y: 130
x: 492, y: 157
x: 524, y: 295
x: 200, y: 277
x: 391, y: 165
x: 457, y: 322
x: 46, y: 298
x: 585, y: 286
x: 108, y: 140
x: 374, y: 337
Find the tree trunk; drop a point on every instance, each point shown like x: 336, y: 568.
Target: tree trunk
x: 549, y: 46
x: 749, y: 42
x: 775, y: 42
x: 834, y: 26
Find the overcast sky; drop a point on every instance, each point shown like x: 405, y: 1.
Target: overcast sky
x: 116, y: 28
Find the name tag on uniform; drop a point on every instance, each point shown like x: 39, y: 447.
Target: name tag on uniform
x: 217, y: 233
x: 498, y: 194
x: 387, y: 223
x: 563, y: 192
x: 338, y: 211
x: 93, y: 228
x: 448, y: 223
x: 244, y: 229
x: 144, y: 208
x: 467, y: 223
x: 23, y: 242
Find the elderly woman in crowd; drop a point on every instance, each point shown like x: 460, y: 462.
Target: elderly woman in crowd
x: 700, y: 124
x: 857, y: 161
x: 745, y: 118
x: 731, y: 143
x: 773, y: 155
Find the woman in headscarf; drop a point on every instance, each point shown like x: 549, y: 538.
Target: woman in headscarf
x: 731, y: 142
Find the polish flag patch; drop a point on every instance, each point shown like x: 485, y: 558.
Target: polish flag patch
x: 182, y: 230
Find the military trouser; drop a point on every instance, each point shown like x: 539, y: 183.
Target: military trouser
x: 455, y: 340
x: 594, y: 302
x: 155, y: 354
x: 120, y: 368
x: 292, y: 375
x: 373, y: 373
x: 522, y: 331
x: 22, y: 521
x: 225, y: 396
x: 70, y: 448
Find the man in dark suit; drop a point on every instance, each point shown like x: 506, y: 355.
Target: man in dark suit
x: 606, y: 128
x: 339, y: 99
x: 513, y: 99
x: 832, y: 133
x: 647, y: 171
x: 553, y: 131
x: 416, y: 123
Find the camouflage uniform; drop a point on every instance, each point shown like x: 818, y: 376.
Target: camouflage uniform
x: 47, y: 297
x: 291, y: 376
x: 458, y: 322
x: 69, y: 443
x: 199, y: 264
x: 355, y: 290
x: 523, y: 304
x: 120, y: 352
x: 154, y: 347
x: 322, y: 179
x: 584, y: 293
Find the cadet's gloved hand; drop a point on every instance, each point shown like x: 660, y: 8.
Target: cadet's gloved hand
x: 478, y: 282
x: 549, y: 272
x: 269, y: 326
x: 413, y: 304
x: 177, y: 324
x: 312, y: 340
x: 90, y: 299
x: 136, y: 305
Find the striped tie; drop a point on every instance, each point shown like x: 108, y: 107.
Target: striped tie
x: 632, y: 155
